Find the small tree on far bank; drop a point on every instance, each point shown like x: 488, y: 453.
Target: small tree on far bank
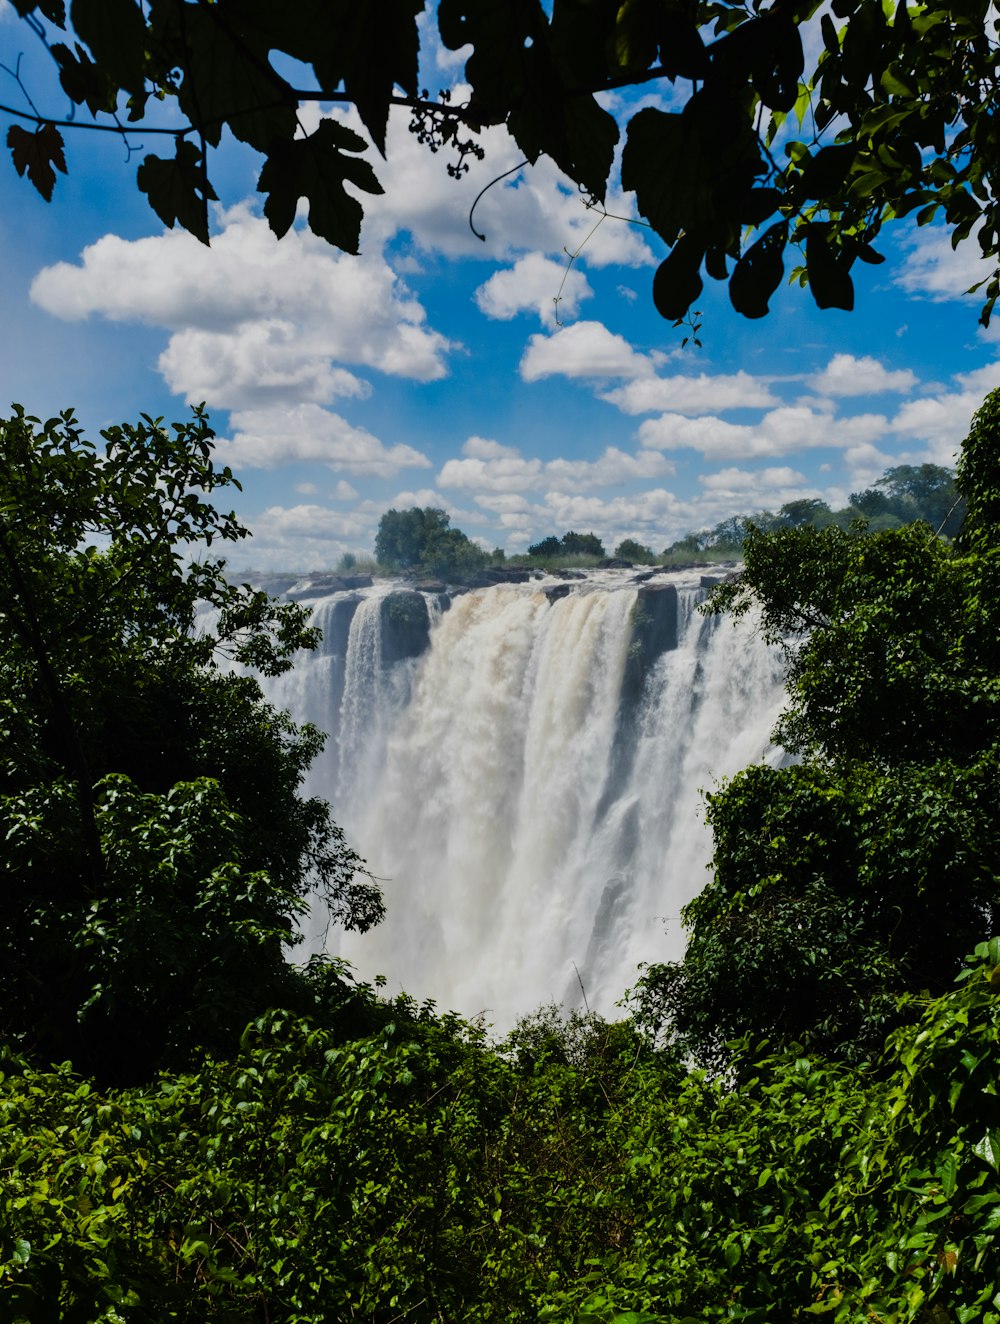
x: 629, y: 549
x: 570, y: 544
x: 423, y: 539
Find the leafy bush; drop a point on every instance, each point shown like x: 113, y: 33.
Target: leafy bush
x: 631, y: 550
x: 156, y: 850
x: 573, y: 1175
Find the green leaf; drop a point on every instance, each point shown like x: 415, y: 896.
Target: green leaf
x: 178, y: 190
x: 757, y: 204
x: 758, y: 273
x: 115, y: 31
x: 829, y: 271
x: 371, y: 48
x: 988, y: 1149
x: 577, y: 133
x: 39, y: 154
x: 682, y: 50
x: 316, y: 168
x: 691, y: 171
x: 777, y: 73
x: 54, y: 10
x: 82, y: 80
x: 502, y: 36
x: 677, y: 283
x: 655, y: 154
x: 230, y: 80
x: 894, y: 85
x: 823, y: 175
x: 635, y: 35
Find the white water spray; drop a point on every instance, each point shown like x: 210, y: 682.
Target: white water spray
x: 534, y: 818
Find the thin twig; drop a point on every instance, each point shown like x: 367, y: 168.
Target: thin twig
x: 511, y: 171
x: 557, y: 300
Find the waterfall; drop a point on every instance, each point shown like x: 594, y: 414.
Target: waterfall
x: 523, y: 766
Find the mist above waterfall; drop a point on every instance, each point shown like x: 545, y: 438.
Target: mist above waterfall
x: 523, y: 766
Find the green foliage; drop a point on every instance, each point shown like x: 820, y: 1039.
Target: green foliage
x: 422, y: 539
x: 866, y: 872
x: 631, y: 550
x: 888, y: 650
x: 581, y: 544
x: 910, y: 492
x: 571, y: 1175
x: 403, y: 534
x: 898, y: 104
x: 979, y: 483
x: 834, y: 892
x: 550, y: 546
x: 904, y: 494
x: 156, y: 849
x: 569, y: 545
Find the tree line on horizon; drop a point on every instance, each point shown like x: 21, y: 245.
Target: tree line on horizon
x: 905, y: 493
x: 422, y: 539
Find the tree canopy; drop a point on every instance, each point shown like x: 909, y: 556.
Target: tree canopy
x: 156, y: 851
x: 630, y: 549
x: 422, y: 538
x: 904, y: 494
x: 868, y: 870
x: 570, y: 544
x: 761, y: 153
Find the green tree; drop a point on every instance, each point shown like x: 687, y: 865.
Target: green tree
x: 549, y: 546
x: 423, y: 539
x: 580, y: 544
x: 870, y: 869
x: 403, y: 535
x: 909, y: 492
x: 450, y: 552
x: 899, y: 105
x: 629, y: 549
x: 157, y: 852
x: 806, y: 510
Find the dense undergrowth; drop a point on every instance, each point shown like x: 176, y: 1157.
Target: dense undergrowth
x: 415, y: 1171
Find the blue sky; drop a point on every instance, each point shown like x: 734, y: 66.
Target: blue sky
x: 434, y: 369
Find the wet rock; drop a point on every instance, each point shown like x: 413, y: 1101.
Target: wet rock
x: 406, y: 626
x: 558, y: 591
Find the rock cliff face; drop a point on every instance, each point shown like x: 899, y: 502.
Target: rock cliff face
x: 406, y: 626
x: 654, y: 629
x: 654, y: 622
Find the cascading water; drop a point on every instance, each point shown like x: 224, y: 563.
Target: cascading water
x: 524, y: 770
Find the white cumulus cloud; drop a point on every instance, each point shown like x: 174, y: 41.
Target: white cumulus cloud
x: 266, y: 438
x: 584, y: 350
x: 781, y: 431
x: 489, y: 468
x: 936, y: 270
x: 692, y: 395
x: 847, y: 375
x: 253, y: 319
x: 941, y: 421
x: 734, y: 480
x: 533, y: 284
